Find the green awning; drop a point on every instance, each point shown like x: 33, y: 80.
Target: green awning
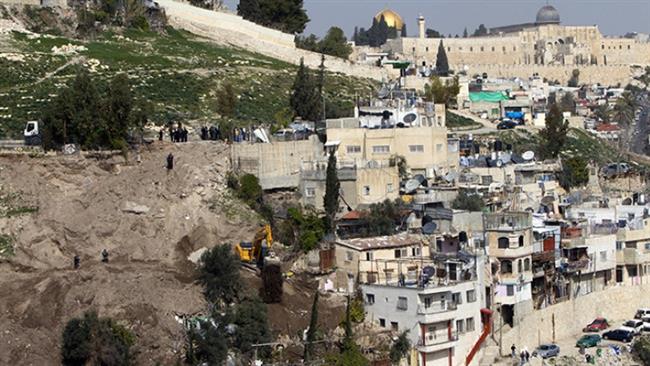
x: 488, y: 96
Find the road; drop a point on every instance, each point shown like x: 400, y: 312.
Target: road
x: 641, y: 128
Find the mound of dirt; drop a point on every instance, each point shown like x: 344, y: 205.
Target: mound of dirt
x: 81, y: 211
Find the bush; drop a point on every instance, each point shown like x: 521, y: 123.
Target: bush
x: 252, y: 326
x: 469, y: 202
x: 101, y: 340
x: 641, y: 349
x: 303, y: 229
x: 207, y: 344
x: 400, y: 348
x: 249, y: 189
x: 219, y: 274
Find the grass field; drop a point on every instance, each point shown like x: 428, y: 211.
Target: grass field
x: 178, y: 72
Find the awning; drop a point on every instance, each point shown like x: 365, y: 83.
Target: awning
x: 333, y: 143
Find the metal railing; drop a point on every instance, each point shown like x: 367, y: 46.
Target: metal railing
x: 440, y: 339
x: 436, y: 308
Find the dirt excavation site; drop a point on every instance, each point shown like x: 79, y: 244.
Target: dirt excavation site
x: 148, y: 219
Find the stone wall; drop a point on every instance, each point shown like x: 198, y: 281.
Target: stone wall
x: 566, y: 319
x: 592, y: 74
x: 230, y: 29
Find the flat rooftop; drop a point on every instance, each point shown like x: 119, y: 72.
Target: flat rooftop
x: 383, y: 242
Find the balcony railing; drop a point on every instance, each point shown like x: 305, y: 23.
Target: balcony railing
x: 436, y: 308
x: 440, y: 339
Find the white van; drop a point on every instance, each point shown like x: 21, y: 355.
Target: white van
x: 643, y: 312
x: 634, y: 325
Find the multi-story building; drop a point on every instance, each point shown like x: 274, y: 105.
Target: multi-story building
x: 633, y: 253
x: 438, y: 301
x: 509, y: 242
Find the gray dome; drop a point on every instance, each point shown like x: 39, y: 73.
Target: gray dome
x: 548, y: 15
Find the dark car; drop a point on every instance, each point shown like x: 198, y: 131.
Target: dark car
x: 589, y: 340
x: 506, y: 125
x: 597, y: 325
x: 620, y: 335
x: 547, y: 350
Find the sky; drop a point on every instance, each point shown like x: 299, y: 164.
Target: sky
x: 613, y: 17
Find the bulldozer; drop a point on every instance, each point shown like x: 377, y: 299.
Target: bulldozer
x: 259, y: 250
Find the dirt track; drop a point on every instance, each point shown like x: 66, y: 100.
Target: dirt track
x: 81, y: 211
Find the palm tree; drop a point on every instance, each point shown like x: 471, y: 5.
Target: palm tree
x: 623, y: 111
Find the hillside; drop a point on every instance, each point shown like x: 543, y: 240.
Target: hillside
x: 177, y: 71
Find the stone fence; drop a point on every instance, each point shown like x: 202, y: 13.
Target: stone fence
x: 609, y: 75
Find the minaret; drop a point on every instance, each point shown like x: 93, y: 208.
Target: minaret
x: 421, y: 29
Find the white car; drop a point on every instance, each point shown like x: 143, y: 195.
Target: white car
x: 646, y: 323
x: 643, y: 312
x: 634, y: 325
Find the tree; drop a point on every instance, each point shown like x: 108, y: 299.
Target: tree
x: 118, y: 110
x: 249, y: 10
x: 252, y: 326
x: 602, y: 113
x: 332, y: 187
x: 303, y: 229
x: 312, y: 331
x: 624, y: 108
x: 285, y: 15
x: 575, y: 172
x: 469, y: 202
x: 334, y: 43
x: 101, y: 341
x: 432, y: 33
x: 480, y: 31
x: 226, y: 100
x: 465, y: 35
x: 378, y: 32
x: 350, y: 354
x: 383, y: 218
x: 575, y: 77
x: 219, y: 274
x: 249, y: 189
x: 442, y: 64
x: 207, y: 344
x: 400, y: 348
x: 271, y: 290
x: 304, y: 99
x: 554, y: 134
x: 404, y: 31
x: 568, y: 103
x: 438, y: 92
x: 641, y: 349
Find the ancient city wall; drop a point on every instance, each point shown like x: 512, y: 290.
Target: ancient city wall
x: 592, y: 74
x: 566, y: 319
x: 21, y: 2
x: 233, y: 30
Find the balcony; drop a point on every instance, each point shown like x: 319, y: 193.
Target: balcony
x: 436, y: 308
x: 632, y: 256
x: 508, y: 221
x: 430, y: 344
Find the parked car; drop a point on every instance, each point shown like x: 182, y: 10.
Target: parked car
x: 589, y: 340
x: 634, y: 325
x: 621, y: 335
x: 597, y: 325
x: 646, y: 323
x: 547, y: 350
x: 643, y: 312
x: 506, y: 125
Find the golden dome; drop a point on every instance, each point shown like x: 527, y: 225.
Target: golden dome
x: 392, y: 18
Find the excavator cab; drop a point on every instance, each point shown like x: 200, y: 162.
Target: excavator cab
x: 257, y: 250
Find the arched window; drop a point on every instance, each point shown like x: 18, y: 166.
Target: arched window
x: 506, y: 266
x: 519, y: 266
x: 526, y: 264
x: 521, y: 240
x: 504, y: 242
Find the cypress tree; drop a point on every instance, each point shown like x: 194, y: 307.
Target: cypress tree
x: 249, y: 10
x: 311, y: 332
x: 404, y: 31
x: 304, y: 98
x: 442, y: 64
x: 554, y: 135
x: 332, y: 186
x: 465, y: 33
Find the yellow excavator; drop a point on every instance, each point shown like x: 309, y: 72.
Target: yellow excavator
x: 257, y: 250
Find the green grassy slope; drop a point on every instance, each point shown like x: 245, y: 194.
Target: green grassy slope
x: 178, y: 72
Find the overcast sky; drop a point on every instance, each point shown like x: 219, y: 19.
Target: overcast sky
x: 614, y: 17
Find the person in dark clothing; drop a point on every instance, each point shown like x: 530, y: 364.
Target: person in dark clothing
x: 513, y: 350
x: 185, y: 134
x: 160, y: 135
x: 76, y: 261
x: 527, y: 355
x: 105, y: 255
x: 204, y: 133
x: 170, y: 161
x: 171, y: 134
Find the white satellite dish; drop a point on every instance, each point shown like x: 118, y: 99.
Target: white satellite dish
x: 528, y: 155
x: 505, y: 158
x: 372, y: 164
x: 499, y: 163
x: 411, y: 185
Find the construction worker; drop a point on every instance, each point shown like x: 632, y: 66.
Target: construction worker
x: 105, y: 255
x: 77, y: 261
x: 170, y: 161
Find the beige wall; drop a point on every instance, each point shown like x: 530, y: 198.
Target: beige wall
x: 433, y: 141
x: 383, y: 184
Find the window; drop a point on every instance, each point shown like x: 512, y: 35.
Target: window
x: 382, y: 323
x: 369, y: 256
x: 647, y: 246
x: 370, y: 299
x: 469, y: 323
x: 619, y: 245
x: 427, y: 302
x: 381, y: 149
x: 456, y: 298
x: 460, y: 326
x: 482, y: 48
x: 402, y: 303
x: 471, y: 295
x: 416, y: 148
x: 628, y: 46
x: 526, y: 264
x: 521, y: 241
x: 603, y: 256
x: 399, y: 253
x: 389, y: 188
x: 519, y: 267
x: 510, y: 290
x: 366, y: 190
x: 415, y: 252
x: 602, y: 46
x: 506, y: 266
x: 427, y: 49
x: 504, y: 242
x: 394, y: 326
x: 353, y: 149
x: 448, y: 49
x: 349, y: 255
x: 471, y: 49
x: 492, y: 48
x: 438, y: 148
x: 310, y: 192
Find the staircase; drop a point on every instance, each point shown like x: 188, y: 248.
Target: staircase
x: 486, y: 316
x: 490, y: 355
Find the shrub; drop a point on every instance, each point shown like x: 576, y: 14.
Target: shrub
x: 467, y: 201
x: 219, y: 274
x: 252, y: 326
x: 641, y: 349
x: 249, y: 189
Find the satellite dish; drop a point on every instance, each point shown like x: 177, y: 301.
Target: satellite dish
x: 427, y: 72
x: 505, y: 158
x: 528, y: 155
x: 499, y: 163
x: 411, y: 185
x: 426, y: 219
x: 429, y: 228
x: 420, y: 178
x: 383, y: 92
x: 450, y: 177
x: 372, y: 164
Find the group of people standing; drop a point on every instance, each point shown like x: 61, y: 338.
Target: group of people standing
x: 212, y: 133
x: 524, y: 355
x: 178, y: 134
